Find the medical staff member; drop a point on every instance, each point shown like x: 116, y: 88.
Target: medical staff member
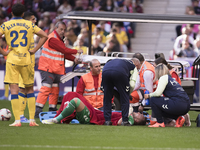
x: 116, y: 73
x: 52, y: 66
x: 175, y: 103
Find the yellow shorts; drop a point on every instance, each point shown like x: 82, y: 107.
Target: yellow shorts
x: 14, y: 71
x: 21, y: 83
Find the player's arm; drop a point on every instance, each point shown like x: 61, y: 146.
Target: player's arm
x: 60, y: 46
x: 2, y: 51
x: 43, y: 37
x: 162, y: 83
x: 80, y: 86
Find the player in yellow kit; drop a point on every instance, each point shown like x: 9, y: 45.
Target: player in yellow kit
x: 22, y: 93
x: 18, y: 33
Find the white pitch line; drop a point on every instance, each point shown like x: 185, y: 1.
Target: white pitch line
x: 96, y: 147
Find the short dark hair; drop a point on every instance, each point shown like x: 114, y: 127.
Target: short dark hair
x: 18, y: 9
x: 27, y: 15
x: 139, y: 56
x: 141, y: 122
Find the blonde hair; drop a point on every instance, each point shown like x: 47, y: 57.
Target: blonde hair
x: 160, y: 70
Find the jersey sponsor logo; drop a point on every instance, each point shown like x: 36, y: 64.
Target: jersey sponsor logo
x: 164, y: 106
x: 20, y: 55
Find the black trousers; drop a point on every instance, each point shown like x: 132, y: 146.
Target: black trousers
x: 164, y: 107
x: 111, y: 79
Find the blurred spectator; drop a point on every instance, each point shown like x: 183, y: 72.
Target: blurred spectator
x: 105, y: 27
x: 48, y: 5
x: 75, y: 26
x: 3, y: 17
x: 196, y: 7
x: 17, y: 1
x: 96, y: 6
x: 67, y: 42
x: 78, y: 5
x: 71, y: 35
x: 7, y: 7
x: 97, y: 31
x: 110, y: 47
x: 51, y: 27
x: 186, y: 50
x: 109, y: 6
x: 90, y: 8
x: 85, y: 4
x: 188, y: 11
x: 138, y: 7
x: 95, y: 48
x: 112, y: 36
x: 71, y: 2
x: 65, y: 7
x: 37, y: 6
x: 84, y: 33
x: 80, y: 46
x: 129, y: 26
x: 46, y: 21
x: 179, y: 39
x: 121, y: 36
x: 128, y: 7
x: 101, y: 2
x: 193, y: 29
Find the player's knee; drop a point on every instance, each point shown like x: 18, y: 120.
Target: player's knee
x: 76, y: 102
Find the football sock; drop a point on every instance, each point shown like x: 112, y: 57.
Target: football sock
x: 31, y: 105
x: 22, y: 101
x: 15, y: 106
x: 68, y: 110
x: 6, y: 86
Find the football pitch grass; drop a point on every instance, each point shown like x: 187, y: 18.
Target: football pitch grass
x: 94, y: 137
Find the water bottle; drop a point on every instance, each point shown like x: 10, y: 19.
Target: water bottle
x: 147, y: 101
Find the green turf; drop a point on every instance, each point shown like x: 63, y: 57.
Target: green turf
x: 62, y: 136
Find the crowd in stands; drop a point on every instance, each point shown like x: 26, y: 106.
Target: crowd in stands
x: 187, y: 42
x: 107, y: 36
